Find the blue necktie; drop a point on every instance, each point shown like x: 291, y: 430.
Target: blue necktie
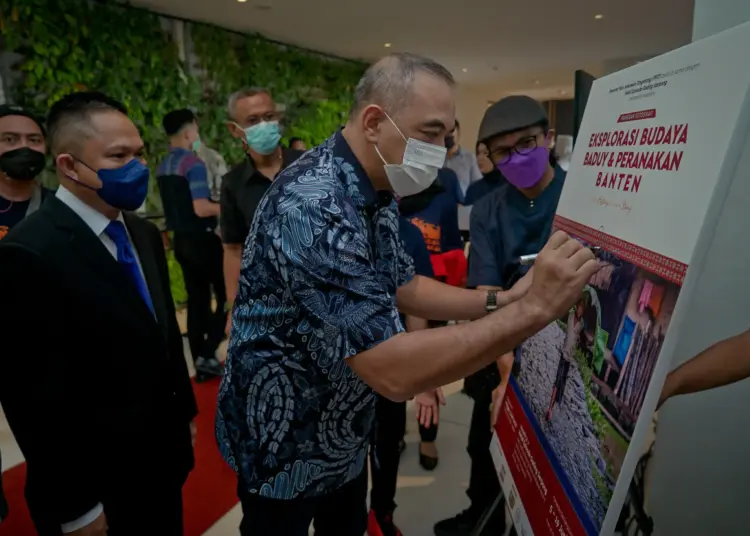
x: 126, y: 258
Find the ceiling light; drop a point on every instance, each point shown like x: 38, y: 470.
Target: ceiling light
x: 536, y: 82
x: 387, y: 45
x: 563, y: 92
x: 465, y: 70
x: 242, y: 1
x: 598, y: 16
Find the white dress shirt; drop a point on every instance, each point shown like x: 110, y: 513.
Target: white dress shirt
x: 98, y: 223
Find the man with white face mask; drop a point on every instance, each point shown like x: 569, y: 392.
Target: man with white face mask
x: 316, y: 329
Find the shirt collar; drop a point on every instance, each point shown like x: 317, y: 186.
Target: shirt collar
x: 342, y: 150
x: 96, y: 221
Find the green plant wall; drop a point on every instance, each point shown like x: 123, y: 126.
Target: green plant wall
x: 78, y: 45
x: 315, y: 90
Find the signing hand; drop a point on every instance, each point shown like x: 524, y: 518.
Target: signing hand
x: 427, y: 406
x: 561, y: 271
x: 98, y: 527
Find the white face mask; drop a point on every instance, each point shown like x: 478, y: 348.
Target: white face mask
x: 418, y: 168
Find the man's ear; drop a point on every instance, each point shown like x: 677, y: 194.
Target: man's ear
x: 67, y: 165
x: 372, y: 117
x: 234, y: 130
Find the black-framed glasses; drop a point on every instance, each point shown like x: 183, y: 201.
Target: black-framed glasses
x: 523, y: 147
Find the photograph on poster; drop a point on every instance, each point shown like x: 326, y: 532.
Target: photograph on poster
x: 585, y: 376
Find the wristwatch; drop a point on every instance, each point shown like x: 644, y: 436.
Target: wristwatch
x: 491, y: 301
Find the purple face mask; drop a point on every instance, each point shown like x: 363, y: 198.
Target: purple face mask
x: 525, y: 170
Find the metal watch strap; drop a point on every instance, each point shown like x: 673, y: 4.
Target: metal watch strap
x: 491, y: 301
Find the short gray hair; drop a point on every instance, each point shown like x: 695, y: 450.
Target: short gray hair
x: 243, y: 94
x: 389, y: 81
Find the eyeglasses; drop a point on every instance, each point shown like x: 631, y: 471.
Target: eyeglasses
x: 523, y: 147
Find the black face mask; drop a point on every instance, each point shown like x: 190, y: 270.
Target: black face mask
x: 450, y: 142
x: 22, y: 164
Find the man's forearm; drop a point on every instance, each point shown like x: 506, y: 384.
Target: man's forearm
x: 426, y: 298
x: 232, y: 264
x: 411, y: 363
x: 723, y: 363
x: 415, y: 324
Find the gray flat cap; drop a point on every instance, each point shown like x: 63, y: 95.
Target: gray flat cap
x: 510, y: 114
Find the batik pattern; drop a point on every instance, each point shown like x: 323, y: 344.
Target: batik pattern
x: 320, y: 270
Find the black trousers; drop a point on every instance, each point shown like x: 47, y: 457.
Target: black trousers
x: 484, y: 486
x: 390, y: 422
x: 385, y: 454
x: 201, y: 257
x: 129, y: 512
x: 341, y: 513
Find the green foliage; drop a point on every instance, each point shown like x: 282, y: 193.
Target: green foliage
x: 597, y: 416
x: 77, y: 45
x: 126, y: 53
x: 177, y: 282
x: 314, y: 90
x: 600, y: 481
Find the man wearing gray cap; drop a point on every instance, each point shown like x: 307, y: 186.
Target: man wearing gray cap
x: 513, y: 220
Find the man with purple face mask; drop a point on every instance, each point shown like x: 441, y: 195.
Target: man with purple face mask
x: 513, y: 220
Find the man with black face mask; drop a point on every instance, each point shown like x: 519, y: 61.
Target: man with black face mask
x: 22, y: 159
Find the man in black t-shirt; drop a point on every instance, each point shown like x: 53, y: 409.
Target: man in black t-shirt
x: 22, y: 159
x: 254, y: 120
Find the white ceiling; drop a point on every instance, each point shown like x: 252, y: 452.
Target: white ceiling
x: 499, y: 44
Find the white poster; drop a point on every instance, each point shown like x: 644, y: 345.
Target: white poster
x: 650, y: 152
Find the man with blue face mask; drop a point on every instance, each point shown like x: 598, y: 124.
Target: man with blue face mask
x: 97, y: 394
x: 316, y: 331
x: 254, y: 121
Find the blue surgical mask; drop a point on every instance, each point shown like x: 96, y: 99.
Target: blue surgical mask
x: 196, y: 145
x: 125, y: 187
x: 264, y: 137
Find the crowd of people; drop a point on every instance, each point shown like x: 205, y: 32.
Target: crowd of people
x: 338, y: 273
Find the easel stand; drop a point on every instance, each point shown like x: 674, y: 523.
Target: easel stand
x: 487, y: 515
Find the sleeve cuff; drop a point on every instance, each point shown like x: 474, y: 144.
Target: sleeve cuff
x: 84, y: 520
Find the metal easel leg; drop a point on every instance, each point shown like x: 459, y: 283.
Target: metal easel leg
x: 488, y: 515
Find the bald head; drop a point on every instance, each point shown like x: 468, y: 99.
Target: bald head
x: 389, y: 83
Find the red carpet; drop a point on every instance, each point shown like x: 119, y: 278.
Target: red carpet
x: 210, y: 492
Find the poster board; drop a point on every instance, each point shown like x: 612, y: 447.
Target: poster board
x: 657, y: 149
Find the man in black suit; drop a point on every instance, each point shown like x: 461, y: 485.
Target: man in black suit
x: 93, y: 378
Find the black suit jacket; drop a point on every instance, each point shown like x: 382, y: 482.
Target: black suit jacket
x: 95, y: 388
